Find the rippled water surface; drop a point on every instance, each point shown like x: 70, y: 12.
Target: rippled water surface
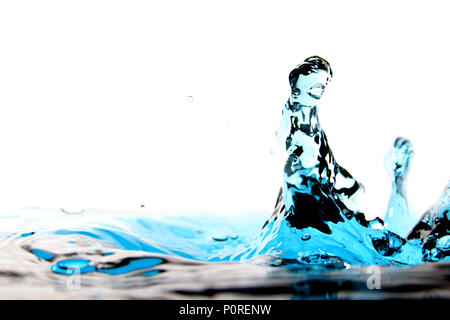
x: 55, y: 255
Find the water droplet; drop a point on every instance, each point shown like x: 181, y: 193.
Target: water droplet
x: 73, y: 210
x: 220, y: 238
x: 306, y: 237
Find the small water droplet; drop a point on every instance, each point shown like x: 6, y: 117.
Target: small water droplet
x: 73, y: 210
x: 220, y: 238
x: 190, y: 99
x: 306, y: 237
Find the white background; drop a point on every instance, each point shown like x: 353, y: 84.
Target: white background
x: 94, y: 107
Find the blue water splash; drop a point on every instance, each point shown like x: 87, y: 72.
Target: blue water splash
x: 318, y: 217
x: 398, y: 217
x: 432, y: 231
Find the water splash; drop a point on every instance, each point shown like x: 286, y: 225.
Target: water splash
x: 320, y: 201
x: 318, y: 224
x: 398, y: 217
x: 432, y: 231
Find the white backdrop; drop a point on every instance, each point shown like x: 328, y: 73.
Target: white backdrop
x: 174, y: 105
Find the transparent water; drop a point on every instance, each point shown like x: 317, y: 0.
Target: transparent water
x: 317, y: 242
x: 107, y: 255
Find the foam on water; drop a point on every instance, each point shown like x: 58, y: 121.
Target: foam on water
x: 318, y: 222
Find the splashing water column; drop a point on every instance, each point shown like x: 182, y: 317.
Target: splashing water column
x: 398, y: 217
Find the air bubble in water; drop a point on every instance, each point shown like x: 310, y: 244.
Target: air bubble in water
x: 220, y: 238
x: 306, y: 237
